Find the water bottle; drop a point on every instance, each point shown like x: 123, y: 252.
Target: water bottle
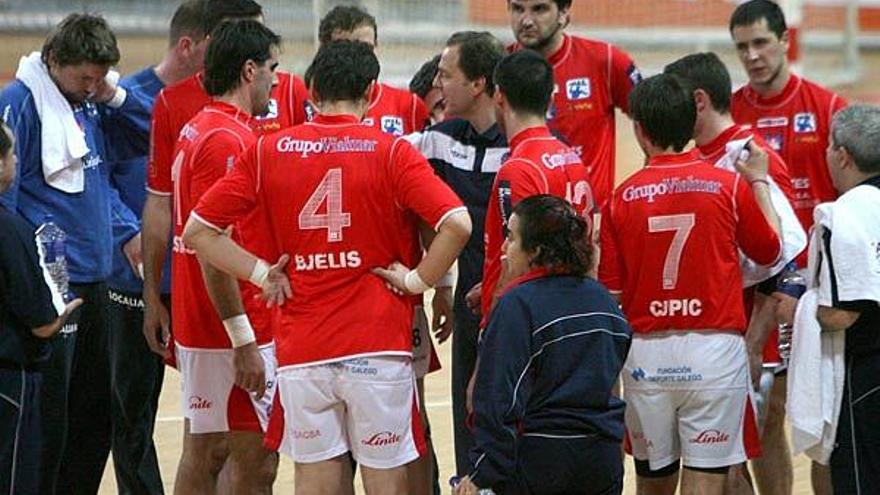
x: 792, y: 283
x: 51, y: 240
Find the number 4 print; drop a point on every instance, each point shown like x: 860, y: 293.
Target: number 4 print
x: 682, y: 226
x: 334, y: 220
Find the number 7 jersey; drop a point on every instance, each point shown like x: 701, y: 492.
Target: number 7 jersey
x: 669, y: 239
x: 340, y: 198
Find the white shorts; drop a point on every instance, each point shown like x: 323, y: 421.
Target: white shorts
x: 211, y: 400
x: 688, y: 397
x: 367, y: 406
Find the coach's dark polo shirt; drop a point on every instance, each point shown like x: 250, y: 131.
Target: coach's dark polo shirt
x: 25, y: 299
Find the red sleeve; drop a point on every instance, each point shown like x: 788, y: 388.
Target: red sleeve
x: 416, y: 187
x: 162, y: 143
x: 610, y: 273
x: 624, y: 76
x: 419, y: 114
x: 754, y: 235
x: 233, y: 196
x: 212, y: 161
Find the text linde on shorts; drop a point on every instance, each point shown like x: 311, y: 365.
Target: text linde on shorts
x: 287, y: 144
x: 672, y: 185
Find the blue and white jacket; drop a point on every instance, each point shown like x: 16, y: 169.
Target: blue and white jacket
x: 86, y: 217
x: 548, y: 361
x: 128, y: 148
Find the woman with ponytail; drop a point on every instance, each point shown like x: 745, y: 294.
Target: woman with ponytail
x: 547, y: 421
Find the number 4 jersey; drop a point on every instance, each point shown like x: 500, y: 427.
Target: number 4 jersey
x: 340, y: 198
x: 669, y: 241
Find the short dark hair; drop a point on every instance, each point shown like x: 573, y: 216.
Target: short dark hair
x: 345, y: 18
x: 707, y: 72
x: 526, y: 79
x: 343, y: 70
x: 233, y: 43
x: 217, y: 11
x: 187, y: 21
x: 560, y: 4
x: 5, y: 139
x: 423, y: 80
x: 664, y: 107
x: 81, y: 38
x: 555, y: 234
x: 753, y: 11
x: 478, y: 54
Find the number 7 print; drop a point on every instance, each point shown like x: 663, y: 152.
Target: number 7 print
x: 682, y: 226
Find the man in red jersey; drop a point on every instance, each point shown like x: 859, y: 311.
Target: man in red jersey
x: 793, y: 114
x: 669, y: 249
x: 174, y: 107
x: 720, y: 141
x: 392, y: 110
x: 227, y: 366
x: 538, y: 162
x: 397, y: 112
x: 340, y: 199
x: 592, y: 78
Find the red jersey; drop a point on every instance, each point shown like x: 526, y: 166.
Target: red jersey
x: 796, y: 123
x: 538, y: 164
x: 592, y: 78
x: 395, y: 111
x: 339, y: 197
x: 179, y: 103
x: 669, y: 241
x: 206, y: 150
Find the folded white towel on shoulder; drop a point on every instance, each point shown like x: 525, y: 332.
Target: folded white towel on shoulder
x: 63, y: 142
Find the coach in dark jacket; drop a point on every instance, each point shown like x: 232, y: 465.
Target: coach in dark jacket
x: 546, y: 419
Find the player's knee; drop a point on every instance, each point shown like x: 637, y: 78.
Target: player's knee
x: 258, y: 470
x: 204, y: 457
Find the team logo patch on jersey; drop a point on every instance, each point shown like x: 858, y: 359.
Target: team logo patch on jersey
x: 776, y: 141
x: 368, y: 121
x: 634, y: 74
x: 765, y: 122
x: 271, y: 110
x: 578, y: 89
x: 804, y: 123
x: 392, y: 124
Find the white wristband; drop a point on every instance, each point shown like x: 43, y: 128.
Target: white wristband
x: 118, y: 98
x: 447, y: 280
x: 239, y: 330
x: 414, y: 283
x: 259, y: 274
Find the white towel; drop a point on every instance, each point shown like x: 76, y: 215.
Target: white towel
x: 815, y: 382
x: 63, y: 142
x: 794, y: 239
x: 855, y: 243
